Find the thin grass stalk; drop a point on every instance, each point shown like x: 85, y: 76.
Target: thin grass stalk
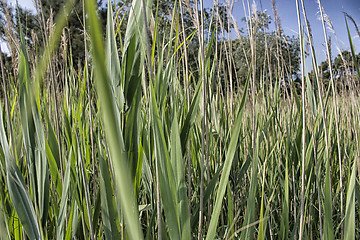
x: 229, y: 88
x: 157, y: 180
x: 318, y: 188
x: 186, y: 77
x: 328, y: 200
x: 253, y: 85
x: 338, y: 137
x: 63, y: 68
x: 50, y: 48
x: 57, y: 124
x: 53, y: 91
x: 356, y: 124
x: 149, y: 62
x: 224, y: 49
x: 13, y: 42
x: 200, y: 27
x: 290, y: 70
x: 323, y: 109
x: 147, y: 41
x: 62, y: 216
x: 278, y: 33
x: 267, y: 54
x: 303, y: 126
x: 187, y: 93
x: 294, y: 194
x: 86, y: 188
x: 41, y: 18
x: 186, y: 83
x: 229, y: 60
x: 86, y: 77
x: 238, y: 34
x: 158, y: 199
x: 214, y: 19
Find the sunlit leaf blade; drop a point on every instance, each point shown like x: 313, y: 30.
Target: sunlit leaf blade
x: 64, y: 201
x: 349, y: 227
x: 34, y: 140
x: 177, y: 164
x: 123, y: 183
x: 227, y: 167
x: 17, y: 189
x: 107, y: 202
x: 166, y: 174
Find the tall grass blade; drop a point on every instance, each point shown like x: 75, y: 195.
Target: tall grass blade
x: 176, y: 159
x: 123, y: 183
x: 190, y: 117
x: 250, y: 205
x: 349, y: 227
x: 227, y: 166
x: 4, y: 229
x: 17, y: 189
x: 34, y: 139
x: 166, y: 175
x: 352, y: 47
x: 63, y: 214
x: 328, y: 225
x: 112, y: 59
x: 107, y: 202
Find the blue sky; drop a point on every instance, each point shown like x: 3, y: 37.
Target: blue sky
x: 288, y: 17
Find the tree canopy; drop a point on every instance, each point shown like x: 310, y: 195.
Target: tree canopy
x: 276, y: 54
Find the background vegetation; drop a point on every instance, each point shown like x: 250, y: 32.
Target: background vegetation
x: 146, y: 119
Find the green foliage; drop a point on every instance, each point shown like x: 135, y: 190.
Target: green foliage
x: 280, y: 52
x: 116, y: 151
x: 343, y: 70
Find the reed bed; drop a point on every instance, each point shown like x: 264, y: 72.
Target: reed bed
x: 136, y: 144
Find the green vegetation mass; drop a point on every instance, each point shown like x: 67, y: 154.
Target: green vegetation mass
x: 147, y: 120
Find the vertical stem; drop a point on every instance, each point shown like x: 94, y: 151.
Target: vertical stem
x: 204, y: 130
x: 294, y: 190
x: 253, y: 85
x: 90, y: 108
x: 336, y: 119
x: 158, y: 197
x: 148, y: 48
x: 318, y: 187
x: 187, y: 92
x: 277, y: 37
x: 229, y: 60
x: 267, y: 54
x: 57, y: 125
x: 322, y: 107
x: 150, y: 71
x: 303, y: 127
x: 87, y: 198
x: 317, y: 81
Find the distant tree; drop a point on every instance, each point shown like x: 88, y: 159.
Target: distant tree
x: 9, y: 34
x: 75, y: 27
x: 283, y: 52
x: 162, y: 12
x: 344, y: 71
x: 37, y: 25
